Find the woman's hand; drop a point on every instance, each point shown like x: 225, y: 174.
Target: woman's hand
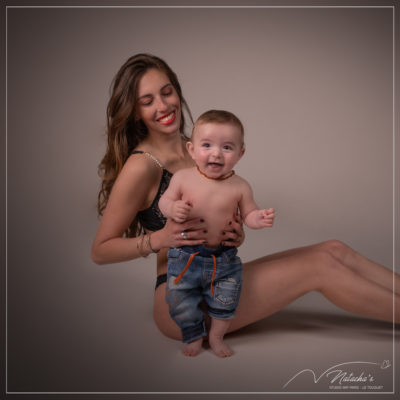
x: 233, y: 232
x: 189, y: 233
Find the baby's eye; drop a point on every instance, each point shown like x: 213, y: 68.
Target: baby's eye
x: 227, y: 147
x: 205, y: 145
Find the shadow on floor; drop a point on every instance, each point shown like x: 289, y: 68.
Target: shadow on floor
x: 336, y: 325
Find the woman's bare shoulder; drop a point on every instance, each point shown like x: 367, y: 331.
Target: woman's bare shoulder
x: 137, y: 176
x: 140, y: 166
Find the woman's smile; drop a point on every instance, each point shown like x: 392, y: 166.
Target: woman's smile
x: 168, y: 119
x: 158, y: 103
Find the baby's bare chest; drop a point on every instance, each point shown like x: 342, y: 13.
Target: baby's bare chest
x: 216, y: 197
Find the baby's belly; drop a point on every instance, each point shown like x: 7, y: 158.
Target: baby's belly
x: 215, y: 227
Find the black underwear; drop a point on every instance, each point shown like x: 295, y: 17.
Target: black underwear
x: 152, y: 219
x: 160, y: 280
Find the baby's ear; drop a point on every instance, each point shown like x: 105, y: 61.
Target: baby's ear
x: 189, y: 147
x: 242, y: 152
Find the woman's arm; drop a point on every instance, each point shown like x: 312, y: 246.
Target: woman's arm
x: 131, y: 193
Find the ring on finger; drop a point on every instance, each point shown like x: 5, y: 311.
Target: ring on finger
x: 184, y: 235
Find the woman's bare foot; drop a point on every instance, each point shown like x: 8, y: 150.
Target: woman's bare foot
x: 193, y: 348
x: 219, y: 347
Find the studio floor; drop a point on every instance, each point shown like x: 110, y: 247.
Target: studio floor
x: 309, y: 347
x: 106, y: 342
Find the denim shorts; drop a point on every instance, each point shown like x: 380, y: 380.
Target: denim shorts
x: 185, y: 296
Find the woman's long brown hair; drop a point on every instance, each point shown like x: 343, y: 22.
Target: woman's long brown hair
x: 124, y: 132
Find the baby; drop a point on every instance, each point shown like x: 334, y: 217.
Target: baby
x: 211, y: 190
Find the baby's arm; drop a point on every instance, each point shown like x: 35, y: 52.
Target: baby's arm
x: 170, y: 202
x: 257, y: 219
x: 254, y: 217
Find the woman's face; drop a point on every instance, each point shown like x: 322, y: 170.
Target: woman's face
x: 158, y: 103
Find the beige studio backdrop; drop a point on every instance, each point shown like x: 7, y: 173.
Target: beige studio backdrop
x: 313, y: 87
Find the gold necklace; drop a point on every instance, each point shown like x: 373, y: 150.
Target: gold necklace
x: 221, y: 178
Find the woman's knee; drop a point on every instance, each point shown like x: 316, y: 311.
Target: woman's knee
x: 166, y: 326
x: 161, y: 316
x: 328, y: 264
x: 336, y: 249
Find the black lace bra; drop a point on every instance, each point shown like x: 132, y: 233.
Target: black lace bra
x: 152, y: 218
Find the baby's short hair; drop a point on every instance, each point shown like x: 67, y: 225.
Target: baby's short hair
x: 220, y: 117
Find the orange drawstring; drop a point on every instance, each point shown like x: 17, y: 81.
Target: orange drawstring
x: 213, y: 275
x: 179, y: 277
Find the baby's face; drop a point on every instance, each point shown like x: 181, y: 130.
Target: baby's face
x: 216, y: 148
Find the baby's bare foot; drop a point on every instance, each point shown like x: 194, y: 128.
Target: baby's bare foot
x: 219, y: 347
x: 193, y: 348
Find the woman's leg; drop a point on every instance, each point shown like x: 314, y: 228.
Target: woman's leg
x: 363, y: 266
x: 288, y: 275
x: 350, y: 258
x: 161, y: 315
x: 273, y: 282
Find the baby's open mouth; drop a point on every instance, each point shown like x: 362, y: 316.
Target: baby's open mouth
x: 215, y: 165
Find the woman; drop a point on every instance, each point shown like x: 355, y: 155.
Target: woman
x: 146, y: 145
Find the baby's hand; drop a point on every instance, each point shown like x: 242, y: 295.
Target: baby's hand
x: 266, y: 217
x: 180, y: 211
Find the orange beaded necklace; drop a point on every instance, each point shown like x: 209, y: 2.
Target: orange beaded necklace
x: 221, y: 178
